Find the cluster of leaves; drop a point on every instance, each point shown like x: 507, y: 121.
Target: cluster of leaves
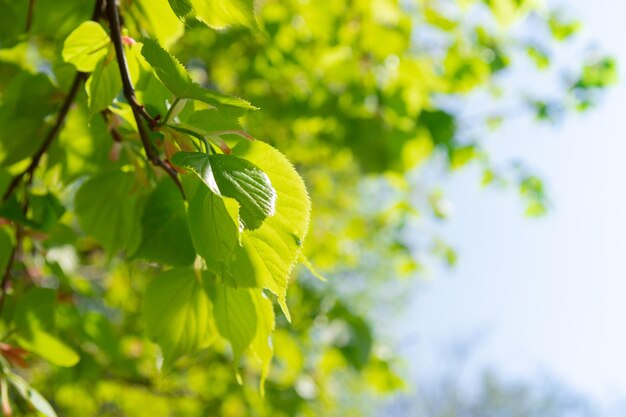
x: 137, y: 201
x: 234, y: 227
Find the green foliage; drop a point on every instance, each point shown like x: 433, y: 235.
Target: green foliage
x: 220, y: 14
x: 145, y: 186
x: 174, y: 76
x: 235, y: 317
x: 85, y: 46
x: 237, y: 178
x: 178, y: 313
x: 106, y: 208
x: 164, y: 236
x: 34, y: 316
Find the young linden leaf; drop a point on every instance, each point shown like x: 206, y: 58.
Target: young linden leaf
x: 267, y: 255
x: 158, y: 19
x: 180, y: 7
x: 85, y: 46
x: 27, y: 101
x: 235, y: 317
x: 34, y: 319
x: 46, y: 210
x: 261, y: 345
x: 106, y: 209
x: 169, y: 70
x: 213, y: 230
x: 174, y: 76
x: 103, y: 85
x: 241, y: 180
x: 29, y: 394
x: 237, y: 178
x: 209, y: 120
x: 200, y: 164
x: 220, y: 14
x: 165, y: 236
x: 178, y: 313
x: 83, y: 145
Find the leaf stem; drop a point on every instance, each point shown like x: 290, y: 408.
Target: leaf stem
x: 138, y: 109
x: 193, y: 133
x: 170, y: 110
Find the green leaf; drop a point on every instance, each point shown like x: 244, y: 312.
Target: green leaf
x: 213, y: 230
x: 180, y: 7
x: 268, y: 254
x: 27, y: 101
x: 158, y: 19
x: 241, y: 180
x: 174, y: 76
x: 165, y: 236
x: 261, y: 344
x: 169, y: 70
x: 237, y: 178
x: 235, y: 317
x: 200, y: 164
x: 34, y: 318
x: 209, y: 120
x: 178, y: 313
x: 220, y: 14
x: 103, y: 85
x: 229, y: 107
x: 85, y: 46
x: 46, y: 211
x: 106, y: 209
x: 83, y: 145
x: 30, y: 394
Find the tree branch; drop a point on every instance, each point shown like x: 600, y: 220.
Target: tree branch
x: 65, y: 108
x: 36, y: 158
x: 29, y: 14
x: 139, y: 111
x: 6, y: 276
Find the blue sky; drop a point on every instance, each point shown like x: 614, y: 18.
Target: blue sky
x: 547, y: 295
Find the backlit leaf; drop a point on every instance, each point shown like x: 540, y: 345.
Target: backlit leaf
x: 165, y: 236
x: 85, y: 46
x: 178, y: 314
x: 105, y: 206
x: 103, y: 85
x: 235, y: 317
x: 237, y: 178
x: 213, y: 230
x: 220, y: 14
x: 174, y: 76
x: 269, y: 253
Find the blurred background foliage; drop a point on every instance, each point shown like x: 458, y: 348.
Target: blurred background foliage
x: 369, y: 100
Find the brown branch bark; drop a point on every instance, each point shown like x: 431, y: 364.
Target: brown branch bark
x: 139, y: 111
x: 36, y: 158
x: 52, y: 133
x: 61, y: 116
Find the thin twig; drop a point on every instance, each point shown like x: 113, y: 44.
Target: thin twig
x: 67, y: 103
x: 36, y: 158
x: 6, y: 276
x: 139, y: 111
x: 29, y: 14
x: 65, y: 108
